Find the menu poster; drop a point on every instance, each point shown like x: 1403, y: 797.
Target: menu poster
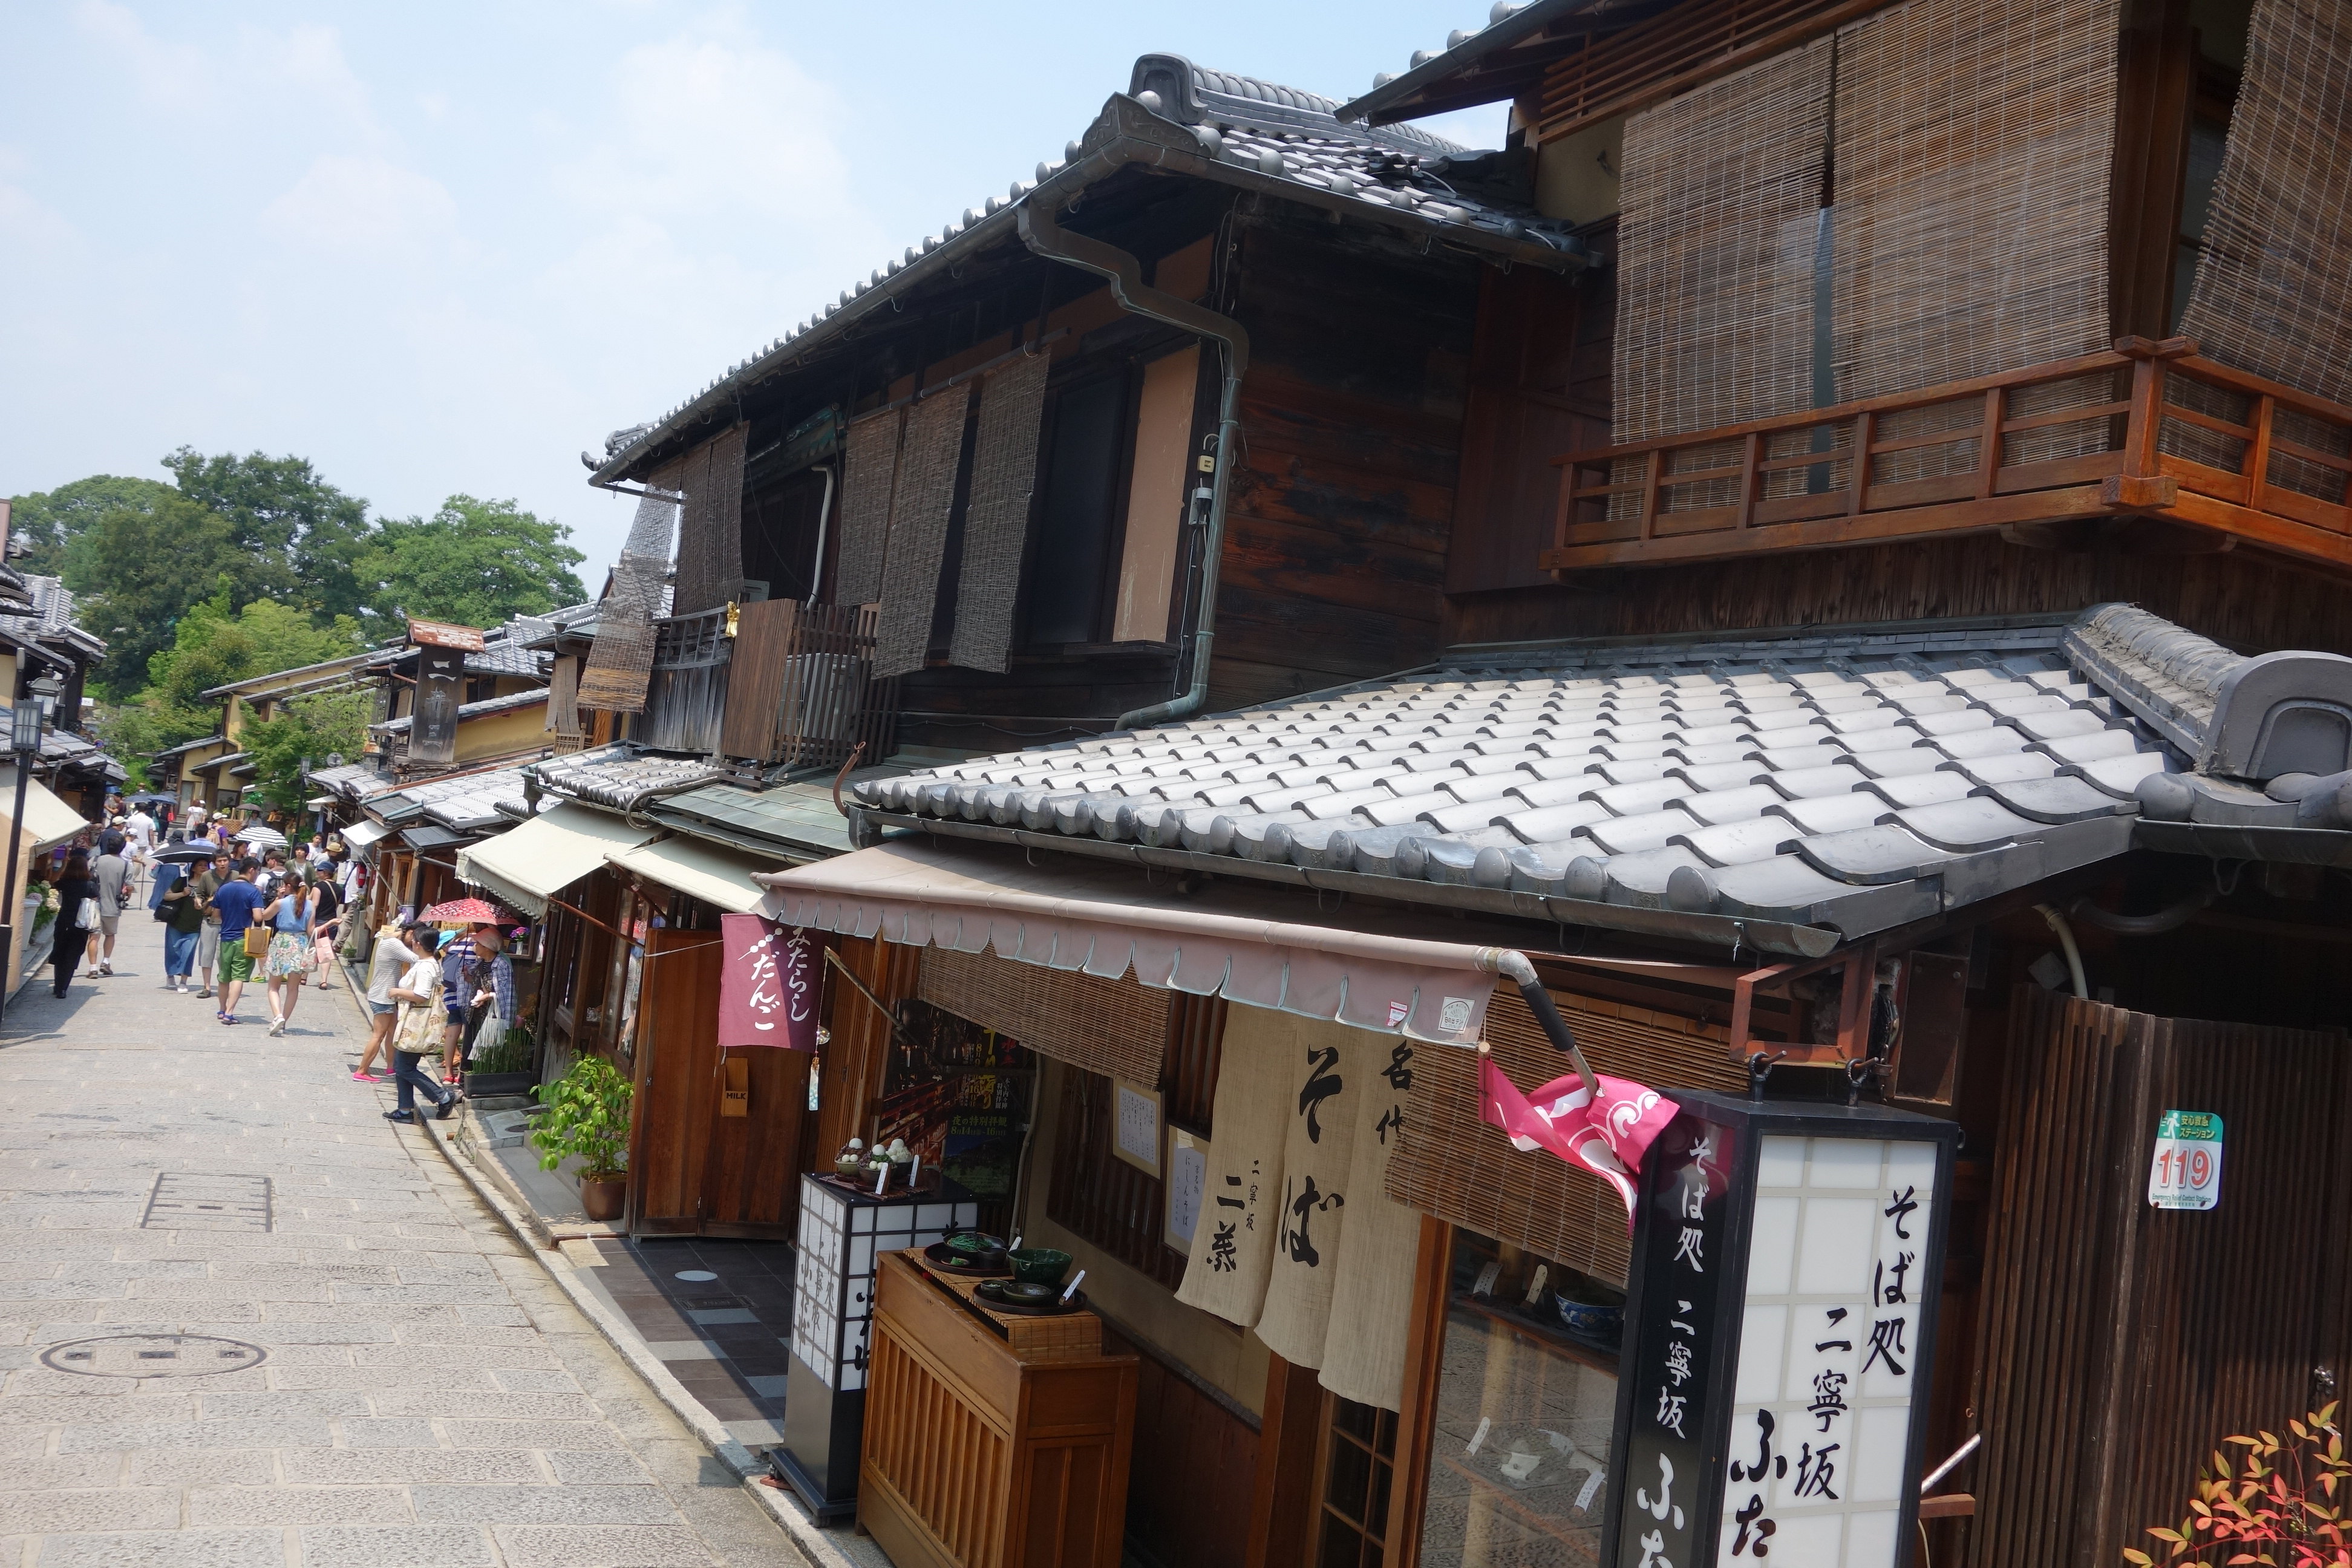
x: 1187, y: 1182
x: 1135, y: 1126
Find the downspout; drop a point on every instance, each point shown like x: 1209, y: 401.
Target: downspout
x: 824, y: 515
x: 1045, y: 237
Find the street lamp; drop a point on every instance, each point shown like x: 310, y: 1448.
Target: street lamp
x: 24, y: 742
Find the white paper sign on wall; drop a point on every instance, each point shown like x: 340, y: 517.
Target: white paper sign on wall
x: 1135, y: 1126
x: 1188, y: 1180
x: 2186, y: 1173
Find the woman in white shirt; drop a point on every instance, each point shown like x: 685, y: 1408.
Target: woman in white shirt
x: 397, y: 950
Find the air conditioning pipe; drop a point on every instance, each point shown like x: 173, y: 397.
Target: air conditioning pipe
x: 1047, y: 238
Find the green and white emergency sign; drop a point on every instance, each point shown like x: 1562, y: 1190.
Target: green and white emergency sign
x: 2186, y: 1170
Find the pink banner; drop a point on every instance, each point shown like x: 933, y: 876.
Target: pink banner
x: 768, y: 986
x: 1607, y: 1135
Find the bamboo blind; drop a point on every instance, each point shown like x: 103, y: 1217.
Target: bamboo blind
x: 710, y: 525
x: 1450, y: 1165
x: 869, y: 469
x: 1974, y: 141
x: 1644, y: 62
x: 564, y: 698
x: 921, y: 503
x: 2272, y: 292
x: 1115, y: 1027
x: 996, y: 518
x: 1715, y: 250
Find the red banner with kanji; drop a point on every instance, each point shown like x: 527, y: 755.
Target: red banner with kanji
x: 768, y: 985
x: 1607, y: 1134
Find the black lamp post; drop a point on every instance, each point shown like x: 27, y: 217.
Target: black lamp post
x: 25, y: 742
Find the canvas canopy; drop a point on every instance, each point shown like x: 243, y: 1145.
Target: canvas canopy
x: 531, y: 863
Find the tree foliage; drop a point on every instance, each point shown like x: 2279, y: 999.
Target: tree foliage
x: 46, y: 522
x: 137, y: 569
x: 300, y: 537
x: 474, y: 561
x: 310, y: 731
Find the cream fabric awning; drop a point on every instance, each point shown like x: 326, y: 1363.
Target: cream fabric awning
x: 704, y: 871
x: 363, y: 833
x: 529, y: 864
x: 1247, y: 944
x: 48, y: 819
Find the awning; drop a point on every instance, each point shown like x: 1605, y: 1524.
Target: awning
x: 362, y: 835
x: 531, y: 863
x: 48, y: 819
x: 699, y: 870
x: 424, y: 836
x: 1247, y: 944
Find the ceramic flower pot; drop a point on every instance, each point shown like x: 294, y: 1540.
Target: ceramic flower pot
x: 601, y: 1197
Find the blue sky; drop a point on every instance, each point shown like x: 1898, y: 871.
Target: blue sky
x: 441, y: 248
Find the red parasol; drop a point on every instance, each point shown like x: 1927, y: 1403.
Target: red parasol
x: 468, y: 912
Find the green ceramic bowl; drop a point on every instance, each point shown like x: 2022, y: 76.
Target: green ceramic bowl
x: 1039, y: 1265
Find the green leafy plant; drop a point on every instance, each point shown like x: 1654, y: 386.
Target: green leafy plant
x: 2281, y: 1506
x: 510, y: 1053
x: 585, y: 1113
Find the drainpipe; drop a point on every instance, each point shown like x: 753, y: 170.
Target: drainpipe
x: 823, y: 516
x: 1044, y: 236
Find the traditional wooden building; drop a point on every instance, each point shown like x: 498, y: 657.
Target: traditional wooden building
x: 1829, y: 543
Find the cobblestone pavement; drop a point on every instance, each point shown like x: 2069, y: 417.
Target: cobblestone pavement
x: 244, y: 1320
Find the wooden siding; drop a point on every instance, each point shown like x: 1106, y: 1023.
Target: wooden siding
x: 1336, y: 533
x: 2243, y: 598
x: 2120, y: 1344
x: 1188, y: 1447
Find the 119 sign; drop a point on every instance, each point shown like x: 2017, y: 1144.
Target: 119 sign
x: 2185, y: 1170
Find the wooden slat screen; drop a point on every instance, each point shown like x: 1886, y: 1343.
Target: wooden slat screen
x: 1715, y: 250
x: 564, y: 698
x: 1645, y: 62
x: 1974, y: 142
x: 996, y: 518
x: 869, y: 469
x: 920, y: 506
x: 2120, y: 1344
x: 1095, y: 1195
x: 710, y: 525
x: 1450, y: 1165
x: 2272, y: 292
x: 1115, y: 1027
x: 755, y: 679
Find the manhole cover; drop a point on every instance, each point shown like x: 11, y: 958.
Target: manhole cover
x: 185, y: 1202
x: 152, y: 1355
x: 695, y: 1275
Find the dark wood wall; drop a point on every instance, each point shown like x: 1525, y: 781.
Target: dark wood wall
x: 1337, y: 531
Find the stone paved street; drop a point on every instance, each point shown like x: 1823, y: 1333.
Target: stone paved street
x: 309, y: 1346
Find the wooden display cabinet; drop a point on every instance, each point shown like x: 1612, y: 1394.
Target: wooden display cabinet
x: 992, y: 1440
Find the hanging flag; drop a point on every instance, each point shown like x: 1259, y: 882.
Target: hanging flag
x: 767, y: 984
x: 1606, y: 1135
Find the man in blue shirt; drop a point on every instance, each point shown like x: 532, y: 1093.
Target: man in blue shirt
x: 236, y: 901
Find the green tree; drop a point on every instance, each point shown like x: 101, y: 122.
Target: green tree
x: 212, y: 646
x: 46, y: 522
x: 311, y: 729
x: 301, y: 537
x: 138, y: 567
x: 475, y: 562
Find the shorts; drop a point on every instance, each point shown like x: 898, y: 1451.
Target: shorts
x: 378, y: 1010
x: 235, y: 964
x: 454, y: 1018
x: 109, y: 924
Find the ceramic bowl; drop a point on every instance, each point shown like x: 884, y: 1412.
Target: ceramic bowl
x: 975, y: 1244
x: 1022, y: 1293
x: 1039, y: 1266
x: 1594, y: 1319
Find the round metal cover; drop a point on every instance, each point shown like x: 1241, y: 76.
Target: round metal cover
x: 152, y: 1355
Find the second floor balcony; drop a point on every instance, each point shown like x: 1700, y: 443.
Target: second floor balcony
x: 2150, y: 438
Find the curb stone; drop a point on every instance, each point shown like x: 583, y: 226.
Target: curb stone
x: 814, y: 1543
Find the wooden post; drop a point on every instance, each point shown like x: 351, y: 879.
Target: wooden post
x: 1751, y: 451
x: 2258, y: 455
x: 2145, y: 419
x: 1857, y: 478
x: 1988, y: 445
x: 1653, y: 483
x: 1282, y: 1502
x: 1424, y: 1354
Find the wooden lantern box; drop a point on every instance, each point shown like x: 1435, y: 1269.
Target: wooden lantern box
x: 993, y: 1439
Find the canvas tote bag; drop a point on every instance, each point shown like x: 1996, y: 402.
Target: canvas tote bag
x: 1322, y: 1090
x: 1232, y: 1243
x: 1372, y: 1296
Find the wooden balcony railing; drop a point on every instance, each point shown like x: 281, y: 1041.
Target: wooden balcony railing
x: 805, y: 689
x: 2051, y: 453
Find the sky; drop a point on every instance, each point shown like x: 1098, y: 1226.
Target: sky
x: 441, y: 248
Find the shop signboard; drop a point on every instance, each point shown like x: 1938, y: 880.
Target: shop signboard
x: 440, y: 692
x: 1780, y: 1328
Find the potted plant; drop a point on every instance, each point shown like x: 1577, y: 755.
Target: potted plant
x: 585, y: 1115
x: 503, y: 1067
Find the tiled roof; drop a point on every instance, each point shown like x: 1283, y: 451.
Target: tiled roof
x: 485, y: 707
x: 454, y: 800
x: 1854, y: 782
x: 350, y: 781
x: 620, y: 777
x: 1180, y: 119
x: 1519, y: 36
